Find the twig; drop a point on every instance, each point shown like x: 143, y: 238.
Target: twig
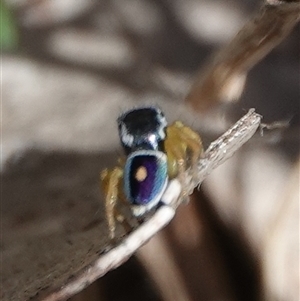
x: 219, y: 151
x: 224, y: 77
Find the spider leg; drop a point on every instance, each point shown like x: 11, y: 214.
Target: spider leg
x: 193, y: 143
x: 122, y: 220
x: 176, y: 153
x: 110, y: 180
x: 182, y: 144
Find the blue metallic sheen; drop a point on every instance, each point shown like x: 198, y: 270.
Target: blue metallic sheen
x: 147, y: 191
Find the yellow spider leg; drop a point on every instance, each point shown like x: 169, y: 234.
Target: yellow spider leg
x: 193, y: 143
x: 110, y: 183
x: 122, y: 220
x: 186, y: 133
x: 119, y: 216
x: 191, y: 139
x: 182, y: 142
x: 176, y: 152
x: 172, y: 162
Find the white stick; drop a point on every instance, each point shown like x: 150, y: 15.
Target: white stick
x: 218, y: 151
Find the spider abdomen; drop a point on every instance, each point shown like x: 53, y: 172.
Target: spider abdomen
x: 145, y: 178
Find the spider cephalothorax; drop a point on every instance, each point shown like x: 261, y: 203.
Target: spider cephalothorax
x: 142, y: 128
x: 155, y: 153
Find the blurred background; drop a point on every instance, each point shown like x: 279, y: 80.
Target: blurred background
x: 69, y: 68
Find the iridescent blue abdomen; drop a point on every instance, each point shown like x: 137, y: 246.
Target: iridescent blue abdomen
x: 145, y: 178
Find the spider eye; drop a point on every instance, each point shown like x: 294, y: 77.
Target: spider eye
x: 145, y: 177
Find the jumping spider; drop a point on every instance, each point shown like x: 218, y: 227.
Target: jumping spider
x: 155, y: 153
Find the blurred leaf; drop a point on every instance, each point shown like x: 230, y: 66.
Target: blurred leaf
x: 8, y: 28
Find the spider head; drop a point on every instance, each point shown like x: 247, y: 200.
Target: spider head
x: 142, y: 129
